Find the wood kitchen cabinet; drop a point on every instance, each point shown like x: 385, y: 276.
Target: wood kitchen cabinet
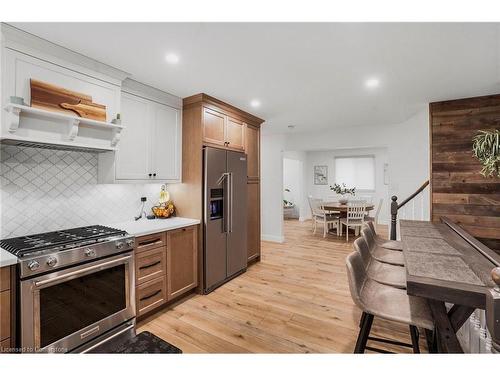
x: 252, y: 149
x: 235, y: 133
x: 182, y: 261
x: 207, y: 121
x: 7, y: 308
x: 166, y: 267
x: 222, y: 130
x: 214, y: 127
x: 253, y: 223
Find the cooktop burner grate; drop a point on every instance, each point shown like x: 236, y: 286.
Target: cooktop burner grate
x: 57, y: 240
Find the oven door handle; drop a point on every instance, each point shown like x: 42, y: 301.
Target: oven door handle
x: 82, y: 271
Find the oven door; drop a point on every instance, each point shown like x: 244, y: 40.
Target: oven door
x: 63, y: 310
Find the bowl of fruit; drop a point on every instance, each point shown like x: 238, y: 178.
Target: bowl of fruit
x: 164, y: 210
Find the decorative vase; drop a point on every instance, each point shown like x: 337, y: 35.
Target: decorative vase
x: 343, y: 200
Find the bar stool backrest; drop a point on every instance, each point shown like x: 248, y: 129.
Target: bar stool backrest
x: 356, y: 275
x: 361, y: 247
x: 368, y: 236
x: 372, y: 227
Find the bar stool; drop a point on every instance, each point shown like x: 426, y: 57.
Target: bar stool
x: 381, y: 254
x: 388, y: 244
x: 383, y: 273
x: 383, y: 301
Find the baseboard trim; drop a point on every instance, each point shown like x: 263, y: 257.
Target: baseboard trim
x: 272, y: 238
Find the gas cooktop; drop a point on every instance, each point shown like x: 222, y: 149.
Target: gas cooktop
x: 59, y: 240
x: 48, y: 252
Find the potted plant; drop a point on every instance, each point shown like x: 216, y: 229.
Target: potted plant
x: 486, y: 148
x: 343, y: 190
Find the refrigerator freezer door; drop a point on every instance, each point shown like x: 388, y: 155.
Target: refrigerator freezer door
x: 215, y: 229
x: 237, y: 220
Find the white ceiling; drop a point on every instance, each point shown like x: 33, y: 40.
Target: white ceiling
x: 308, y: 75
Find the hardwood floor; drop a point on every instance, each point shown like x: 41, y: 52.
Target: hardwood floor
x: 296, y: 300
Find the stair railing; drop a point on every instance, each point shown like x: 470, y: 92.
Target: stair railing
x: 395, y: 207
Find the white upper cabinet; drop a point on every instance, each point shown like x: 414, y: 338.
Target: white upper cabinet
x: 23, y: 124
x: 145, y: 147
x: 150, y: 144
x: 133, y: 157
x: 166, y: 141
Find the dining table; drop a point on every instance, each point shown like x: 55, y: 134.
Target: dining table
x: 451, y: 270
x: 342, y: 208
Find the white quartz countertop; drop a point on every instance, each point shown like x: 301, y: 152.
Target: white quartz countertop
x: 6, y: 258
x: 143, y: 226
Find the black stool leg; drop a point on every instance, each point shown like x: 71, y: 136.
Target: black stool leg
x: 364, y: 332
x: 414, y: 339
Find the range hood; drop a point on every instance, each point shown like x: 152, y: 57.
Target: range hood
x: 35, y: 127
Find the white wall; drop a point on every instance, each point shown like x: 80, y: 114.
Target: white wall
x: 328, y: 158
x: 407, y: 146
x: 272, y: 187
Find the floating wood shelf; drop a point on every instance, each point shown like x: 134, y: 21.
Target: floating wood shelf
x: 17, y: 109
x: 14, y: 112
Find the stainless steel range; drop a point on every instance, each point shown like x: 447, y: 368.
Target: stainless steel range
x: 76, y: 287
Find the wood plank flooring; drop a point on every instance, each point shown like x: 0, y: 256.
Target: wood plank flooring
x: 295, y: 300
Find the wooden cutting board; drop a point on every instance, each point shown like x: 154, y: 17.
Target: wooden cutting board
x: 54, y: 98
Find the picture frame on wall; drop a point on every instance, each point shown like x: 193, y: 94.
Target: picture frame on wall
x: 320, y: 175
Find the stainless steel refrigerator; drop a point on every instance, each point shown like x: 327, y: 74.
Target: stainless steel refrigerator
x: 225, y: 216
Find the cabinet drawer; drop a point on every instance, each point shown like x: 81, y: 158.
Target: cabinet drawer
x: 150, y: 264
x: 4, y: 278
x: 151, y: 241
x: 4, y: 314
x: 150, y: 295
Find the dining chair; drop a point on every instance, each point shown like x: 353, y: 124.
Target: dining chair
x: 319, y: 215
x: 374, y: 219
x: 355, y: 218
x: 386, y: 302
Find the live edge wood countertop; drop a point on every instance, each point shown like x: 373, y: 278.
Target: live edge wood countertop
x: 144, y: 226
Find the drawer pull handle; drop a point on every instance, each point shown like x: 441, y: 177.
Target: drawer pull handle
x: 151, y: 295
x: 149, y: 265
x: 150, y: 242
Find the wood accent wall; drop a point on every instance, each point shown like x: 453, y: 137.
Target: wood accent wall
x: 458, y: 190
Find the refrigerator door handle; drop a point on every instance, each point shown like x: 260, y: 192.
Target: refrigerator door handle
x: 222, y: 178
x: 231, y: 204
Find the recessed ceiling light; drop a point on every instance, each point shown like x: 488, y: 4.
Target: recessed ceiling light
x: 172, y: 58
x: 372, y: 83
x: 255, y: 103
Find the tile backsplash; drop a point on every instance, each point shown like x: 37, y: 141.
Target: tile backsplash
x: 44, y: 190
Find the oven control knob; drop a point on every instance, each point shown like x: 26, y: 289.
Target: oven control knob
x: 51, y: 262
x: 33, y: 265
x: 120, y: 245
x: 130, y: 242
x: 90, y: 252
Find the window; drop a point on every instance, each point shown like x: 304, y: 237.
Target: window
x: 356, y: 171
